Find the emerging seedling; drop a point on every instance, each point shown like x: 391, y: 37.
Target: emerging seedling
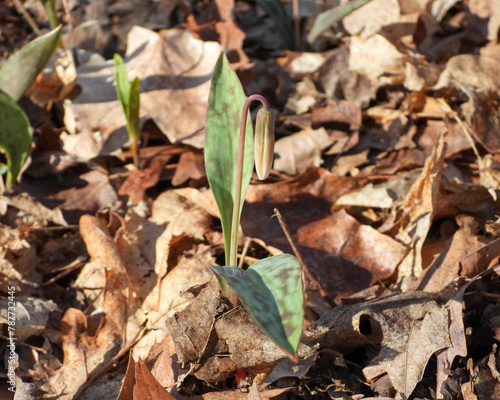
x: 271, y: 289
x: 16, y: 76
x: 129, y: 96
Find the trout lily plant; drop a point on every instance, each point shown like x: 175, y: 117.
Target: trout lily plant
x: 271, y: 289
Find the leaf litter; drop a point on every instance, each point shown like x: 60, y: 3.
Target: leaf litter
x: 386, y: 176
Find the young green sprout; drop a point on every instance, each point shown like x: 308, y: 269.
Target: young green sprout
x: 129, y: 96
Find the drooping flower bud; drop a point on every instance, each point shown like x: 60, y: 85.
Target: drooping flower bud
x: 264, y: 143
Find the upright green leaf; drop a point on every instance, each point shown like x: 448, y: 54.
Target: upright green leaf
x: 133, y: 120
x: 122, y: 84
x: 271, y: 291
x: 15, y: 136
x: 21, y: 69
x: 327, y: 18
x: 51, y: 10
x: 225, y: 106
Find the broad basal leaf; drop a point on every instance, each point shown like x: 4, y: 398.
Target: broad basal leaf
x: 15, y: 136
x: 225, y: 106
x: 271, y: 291
x: 21, y: 69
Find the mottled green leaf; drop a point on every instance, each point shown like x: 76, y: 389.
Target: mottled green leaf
x: 329, y: 17
x: 15, y: 136
x: 225, y: 106
x: 21, y: 69
x: 271, y: 291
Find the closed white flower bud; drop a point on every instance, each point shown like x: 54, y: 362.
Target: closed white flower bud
x: 264, y: 143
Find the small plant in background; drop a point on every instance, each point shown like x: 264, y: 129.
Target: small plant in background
x: 16, y: 75
x: 129, y: 96
x: 271, y: 289
x: 328, y: 18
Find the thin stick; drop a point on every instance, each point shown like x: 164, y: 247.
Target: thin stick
x: 313, y: 280
x: 244, y: 252
x: 79, y: 262
x: 296, y: 25
x: 21, y: 10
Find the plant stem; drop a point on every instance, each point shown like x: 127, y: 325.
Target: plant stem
x: 235, y: 222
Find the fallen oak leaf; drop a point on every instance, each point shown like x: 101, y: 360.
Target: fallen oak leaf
x: 26, y: 390
x: 141, y: 179
x: 146, y: 386
x: 418, y: 210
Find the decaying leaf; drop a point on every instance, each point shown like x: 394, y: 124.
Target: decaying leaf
x: 297, y: 152
x: 418, y: 209
x: 341, y: 241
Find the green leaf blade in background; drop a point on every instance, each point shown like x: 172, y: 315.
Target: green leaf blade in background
x: 123, y: 85
x: 133, y: 110
x: 329, y: 17
x: 22, y: 68
x: 15, y: 136
x: 225, y: 106
x: 271, y: 290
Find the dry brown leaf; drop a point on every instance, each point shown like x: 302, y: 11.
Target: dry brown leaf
x: 300, y: 64
x: 485, y: 15
x: 405, y: 357
x: 365, y: 59
x: 17, y: 260
x: 305, y: 198
x: 297, y: 152
x: 344, y: 115
x: 410, y: 328
x: 418, y: 210
x: 369, y: 19
x: 174, y: 69
x: 482, y: 113
x: 457, y: 337
x: 354, y: 249
x: 306, y: 95
x: 57, y: 81
x: 32, y: 315
x: 459, y: 257
x: 230, y: 36
x: 339, y: 83
x: 101, y: 247
x: 486, y: 376
x: 67, y: 380
x: 139, y: 180
x: 201, y: 337
x: 26, y: 391
x: 64, y: 201
x: 471, y: 71
x: 238, y: 395
x: 190, y: 166
x: 146, y: 386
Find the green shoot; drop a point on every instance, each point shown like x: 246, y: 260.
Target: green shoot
x: 129, y: 96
